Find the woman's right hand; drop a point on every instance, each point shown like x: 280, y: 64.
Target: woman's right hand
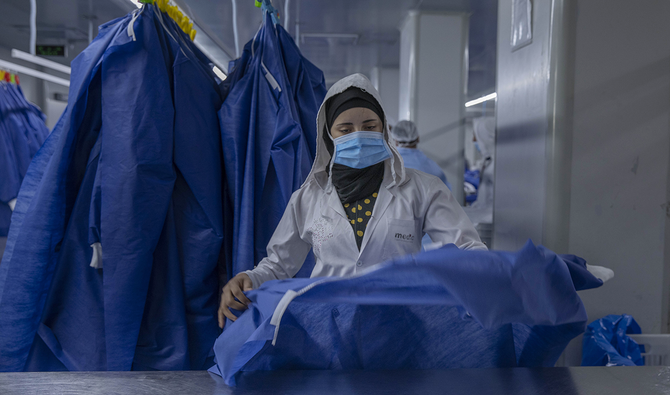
x: 235, y: 288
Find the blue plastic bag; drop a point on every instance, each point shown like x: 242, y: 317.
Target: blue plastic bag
x: 606, y: 343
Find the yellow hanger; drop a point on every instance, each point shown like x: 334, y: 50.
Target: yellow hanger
x: 173, y: 12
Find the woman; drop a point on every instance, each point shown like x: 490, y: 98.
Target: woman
x: 360, y: 208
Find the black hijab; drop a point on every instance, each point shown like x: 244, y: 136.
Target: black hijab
x: 352, y: 184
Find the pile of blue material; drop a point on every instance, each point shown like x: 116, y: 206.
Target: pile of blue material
x: 22, y: 132
x: 606, y: 342
x: 445, y: 308
x: 137, y: 166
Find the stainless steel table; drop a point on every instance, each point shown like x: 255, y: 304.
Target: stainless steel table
x: 519, y: 381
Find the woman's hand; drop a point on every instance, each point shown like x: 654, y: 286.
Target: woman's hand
x: 234, y: 289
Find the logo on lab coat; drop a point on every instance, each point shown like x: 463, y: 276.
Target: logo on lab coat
x: 404, y: 237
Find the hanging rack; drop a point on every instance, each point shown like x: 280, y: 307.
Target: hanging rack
x: 266, y: 5
x: 9, y: 77
x: 175, y: 13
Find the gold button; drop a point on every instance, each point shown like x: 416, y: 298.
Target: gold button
x: 360, y: 220
x: 360, y: 233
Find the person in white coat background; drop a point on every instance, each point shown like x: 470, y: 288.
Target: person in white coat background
x: 481, y: 210
x: 359, y: 206
x: 405, y: 135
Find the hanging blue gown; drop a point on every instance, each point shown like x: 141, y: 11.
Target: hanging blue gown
x: 435, y: 310
x: 269, y: 137
x: 134, y: 164
x: 22, y: 132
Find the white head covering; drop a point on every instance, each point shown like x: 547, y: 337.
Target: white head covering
x: 395, y: 163
x: 405, y: 132
x: 485, y: 131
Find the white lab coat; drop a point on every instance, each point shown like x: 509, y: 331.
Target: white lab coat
x: 409, y: 204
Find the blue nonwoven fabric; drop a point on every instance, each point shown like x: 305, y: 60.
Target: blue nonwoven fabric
x: 22, y: 133
x: 45, y: 200
x: 268, y: 133
x: 445, y: 308
x: 606, y: 342
x: 135, y: 164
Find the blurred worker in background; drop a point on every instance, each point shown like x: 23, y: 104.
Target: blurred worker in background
x: 406, y: 138
x: 481, y: 210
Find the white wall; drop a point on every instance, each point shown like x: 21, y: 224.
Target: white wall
x: 53, y: 108
x: 533, y: 131
x: 621, y: 157
x: 389, y: 79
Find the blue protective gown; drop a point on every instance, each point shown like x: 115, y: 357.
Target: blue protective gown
x: 415, y: 159
x: 134, y: 164
x: 268, y: 136
x: 445, y: 308
x: 22, y: 132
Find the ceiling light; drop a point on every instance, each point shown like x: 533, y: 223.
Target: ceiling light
x: 33, y: 73
x: 482, y: 99
x: 40, y: 61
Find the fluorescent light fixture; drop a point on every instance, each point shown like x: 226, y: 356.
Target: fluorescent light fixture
x: 482, y: 99
x: 137, y: 3
x: 33, y: 73
x: 219, y: 73
x: 348, y: 36
x: 40, y: 61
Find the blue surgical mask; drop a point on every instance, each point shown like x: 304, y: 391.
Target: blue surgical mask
x: 361, y: 149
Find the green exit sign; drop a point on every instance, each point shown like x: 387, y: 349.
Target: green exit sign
x: 50, y: 50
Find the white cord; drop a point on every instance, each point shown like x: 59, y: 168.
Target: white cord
x: 286, y: 5
x: 237, y: 43
x: 33, y: 26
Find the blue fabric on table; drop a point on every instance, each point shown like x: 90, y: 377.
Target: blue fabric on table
x: 606, y: 342
x: 445, y: 308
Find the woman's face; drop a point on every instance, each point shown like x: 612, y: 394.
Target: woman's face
x: 354, y: 120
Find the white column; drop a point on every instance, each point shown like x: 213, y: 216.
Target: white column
x: 534, y: 128
x: 386, y: 80
x: 433, y: 76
